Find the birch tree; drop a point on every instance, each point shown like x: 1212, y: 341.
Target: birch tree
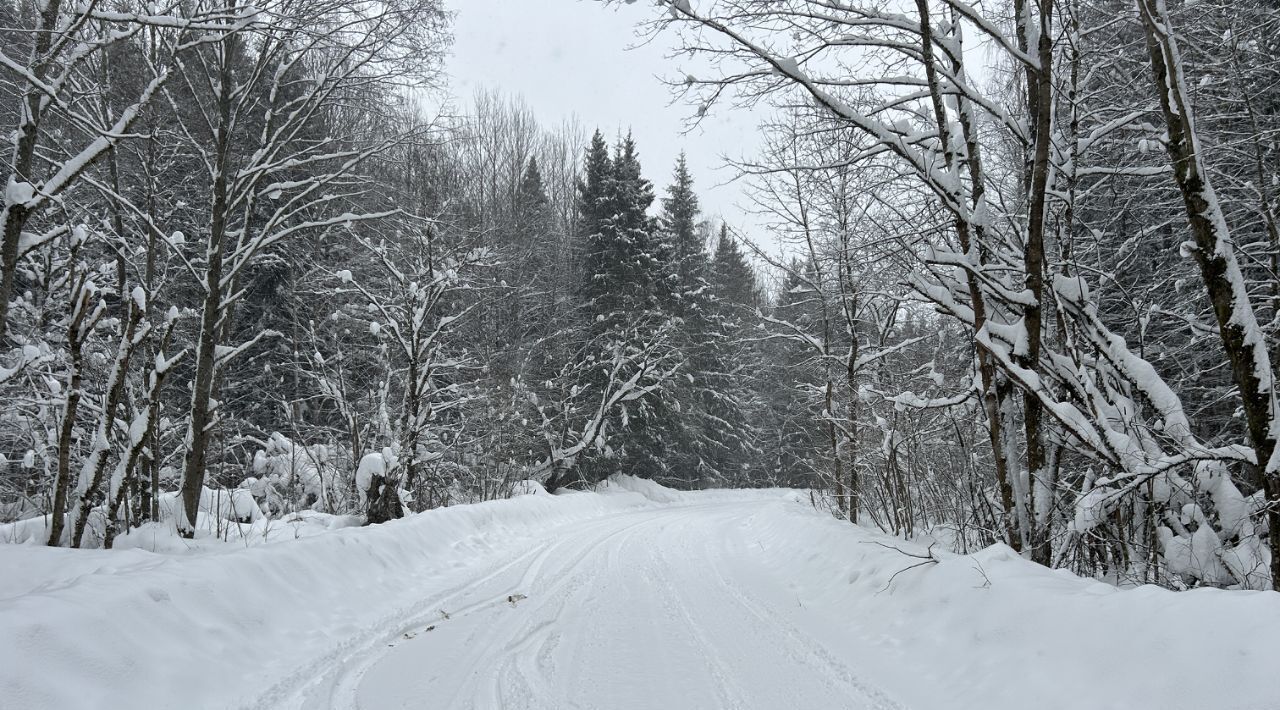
x: 262, y: 96
x: 50, y: 86
x: 898, y: 79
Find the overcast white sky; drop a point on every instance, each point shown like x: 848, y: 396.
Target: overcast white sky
x: 572, y: 57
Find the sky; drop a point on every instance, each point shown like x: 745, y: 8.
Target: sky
x: 584, y: 58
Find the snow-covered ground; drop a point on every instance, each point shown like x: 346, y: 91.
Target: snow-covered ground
x: 633, y: 597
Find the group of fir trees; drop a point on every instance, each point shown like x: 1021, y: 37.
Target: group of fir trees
x: 642, y: 275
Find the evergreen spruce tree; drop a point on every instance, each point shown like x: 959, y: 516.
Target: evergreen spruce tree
x: 597, y: 173
x: 731, y: 368
x: 683, y: 238
x: 789, y: 389
x: 711, y: 428
x: 632, y: 308
x: 732, y: 278
x: 621, y: 296
x: 621, y: 264
x: 690, y: 442
x: 529, y: 261
x: 533, y: 218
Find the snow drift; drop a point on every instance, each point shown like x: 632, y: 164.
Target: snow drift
x: 993, y: 630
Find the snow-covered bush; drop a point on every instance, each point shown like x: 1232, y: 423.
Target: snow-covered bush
x: 1205, y: 528
x: 289, y: 476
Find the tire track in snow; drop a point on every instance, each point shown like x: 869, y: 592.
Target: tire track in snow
x: 531, y: 671
x: 330, y: 679
x: 577, y: 545
x: 810, y: 648
x: 305, y: 686
x: 657, y: 579
x: 731, y: 696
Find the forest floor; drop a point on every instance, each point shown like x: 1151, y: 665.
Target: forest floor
x: 634, y: 597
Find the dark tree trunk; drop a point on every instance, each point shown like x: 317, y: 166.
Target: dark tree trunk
x: 386, y: 504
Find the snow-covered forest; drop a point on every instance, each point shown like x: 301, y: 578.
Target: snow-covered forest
x: 1019, y: 281
x: 1027, y: 291
x: 1006, y: 309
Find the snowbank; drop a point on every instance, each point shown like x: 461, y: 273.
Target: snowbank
x: 992, y: 630
x: 227, y: 519
x: 661, y: 494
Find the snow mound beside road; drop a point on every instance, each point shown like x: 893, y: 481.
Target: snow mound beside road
x: 993, y: 630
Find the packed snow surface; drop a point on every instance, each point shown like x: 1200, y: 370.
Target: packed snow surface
x: 632, y: 597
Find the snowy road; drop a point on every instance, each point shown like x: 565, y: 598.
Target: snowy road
x: 667, y: 608
x: 632, y: 597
